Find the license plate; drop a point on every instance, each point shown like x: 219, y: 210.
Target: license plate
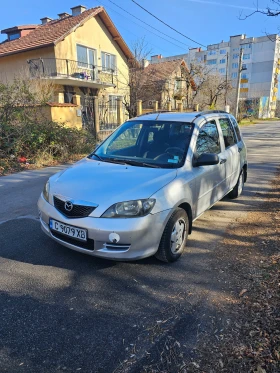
x: 68, y: 230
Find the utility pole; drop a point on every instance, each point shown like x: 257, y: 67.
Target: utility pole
x: 226, y: 105
x: 240, y: 68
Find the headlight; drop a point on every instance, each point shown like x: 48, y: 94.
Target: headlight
x: 46, y: 191
x: 131, y: 209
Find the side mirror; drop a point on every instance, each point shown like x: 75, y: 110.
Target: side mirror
x: 206, y: 159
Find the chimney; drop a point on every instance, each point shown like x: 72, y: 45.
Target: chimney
x: 63, y: 15
x: 145, y: 63
x: 45, y: 20
x: 76, y: 10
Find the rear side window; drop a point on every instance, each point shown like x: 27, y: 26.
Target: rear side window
x: 208, y: 139
x: 237, y: 130
x: 228, y: 132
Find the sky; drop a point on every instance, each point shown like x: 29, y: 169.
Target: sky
x: 203, y: 21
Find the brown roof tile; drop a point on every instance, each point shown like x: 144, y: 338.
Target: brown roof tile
x: 53, y: 32
x: 161, y: 71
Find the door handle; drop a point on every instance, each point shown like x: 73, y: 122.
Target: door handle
x: 239, y: 150
x: 223, y: 160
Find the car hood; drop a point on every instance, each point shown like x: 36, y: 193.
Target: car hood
x: 108, y: 183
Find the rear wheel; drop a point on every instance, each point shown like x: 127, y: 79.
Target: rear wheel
x: 238, y: 189
x: 174, y: 237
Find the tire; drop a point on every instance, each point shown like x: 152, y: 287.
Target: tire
x: 237, y: 190
x: 174, y: 237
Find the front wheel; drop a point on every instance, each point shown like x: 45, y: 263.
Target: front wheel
x: 237, y: 190
x: 174, y: 237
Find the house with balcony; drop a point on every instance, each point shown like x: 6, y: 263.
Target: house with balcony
x: 84, y: 57
x: 167, y: 82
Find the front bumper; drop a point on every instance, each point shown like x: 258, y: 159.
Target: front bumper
x: 139, y: 237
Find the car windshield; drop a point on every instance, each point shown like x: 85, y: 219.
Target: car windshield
x: 147, y: 143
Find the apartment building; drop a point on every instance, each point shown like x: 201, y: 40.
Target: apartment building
x: 261, y: 63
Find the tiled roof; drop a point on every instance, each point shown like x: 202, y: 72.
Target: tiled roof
x: 161, y: 70
x: 54, y: 31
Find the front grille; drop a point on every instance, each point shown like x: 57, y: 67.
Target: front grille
x: 78, y: 211
x: 116, y: 246
x: 89, y: 244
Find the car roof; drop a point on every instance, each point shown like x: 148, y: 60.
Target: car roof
x: 177, y: 116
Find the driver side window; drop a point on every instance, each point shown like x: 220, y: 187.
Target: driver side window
x: 208, y: 140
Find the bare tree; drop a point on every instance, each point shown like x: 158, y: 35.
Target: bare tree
x: 133, y: 83
x: 210, y: 86
x: 268, y: 11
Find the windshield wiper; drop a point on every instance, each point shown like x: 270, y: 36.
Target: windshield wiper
x: 114, y: 160
x: 97, y: 156
x: 109, y: 160
x: 143, y: 164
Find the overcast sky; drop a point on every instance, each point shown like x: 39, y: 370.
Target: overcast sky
x: 205, y: 21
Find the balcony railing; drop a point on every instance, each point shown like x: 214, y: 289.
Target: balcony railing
x: 64, y: 68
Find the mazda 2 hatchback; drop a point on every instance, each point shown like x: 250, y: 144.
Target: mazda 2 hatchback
x: 139, y: 192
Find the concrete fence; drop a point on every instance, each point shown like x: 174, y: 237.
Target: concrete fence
x: 179, y: 108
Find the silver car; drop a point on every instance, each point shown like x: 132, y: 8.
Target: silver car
x: 139, y: 192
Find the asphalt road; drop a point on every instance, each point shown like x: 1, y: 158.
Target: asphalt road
x: 61, y: 311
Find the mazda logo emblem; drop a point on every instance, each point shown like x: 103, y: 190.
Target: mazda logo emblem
x: 68, y: 206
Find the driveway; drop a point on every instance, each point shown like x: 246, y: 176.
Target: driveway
x: 62, y: 311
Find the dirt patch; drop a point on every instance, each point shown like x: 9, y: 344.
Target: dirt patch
x: 236, y: 328
x: 245, y: 336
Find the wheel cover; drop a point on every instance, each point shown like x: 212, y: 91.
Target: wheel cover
x: 177, y: 236
x: 240, y: 183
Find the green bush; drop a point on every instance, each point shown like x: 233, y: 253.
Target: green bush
x: 32, y: 140
x: 25, y: 131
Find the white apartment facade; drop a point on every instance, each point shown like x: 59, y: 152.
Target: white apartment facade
x: 261, y: 59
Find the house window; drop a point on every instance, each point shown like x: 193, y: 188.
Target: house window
x: 235, y: 56
x: 108, y: 62
x: 211, y: 62
x: 246, y: 46
x: 85, y: 57
x: 223, y: 51
x: 244, y: 76
x: 222, y: 71
x: 244, y: 85
x: 234, y: 75
x: 14, y: 36
x: 246, y: 56
x: 223, y: 60
x: 235, y: 49
x: 211, y: 53
x: 178, y: 84
x: 235, y: 65
x: 69, y: 92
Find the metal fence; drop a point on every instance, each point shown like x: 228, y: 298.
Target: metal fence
x: 59, y: 67
x: 108, y: 115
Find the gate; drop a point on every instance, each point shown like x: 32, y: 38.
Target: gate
x: 87, y: 109
x: 108, y: 118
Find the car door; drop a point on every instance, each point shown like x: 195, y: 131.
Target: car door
x: 210, y: 180
x: 231, y: 152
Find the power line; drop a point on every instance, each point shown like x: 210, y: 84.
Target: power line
x: 178, y: 46
x: 160, y: 48
x: 147, y: 23
x: 172, y: 28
